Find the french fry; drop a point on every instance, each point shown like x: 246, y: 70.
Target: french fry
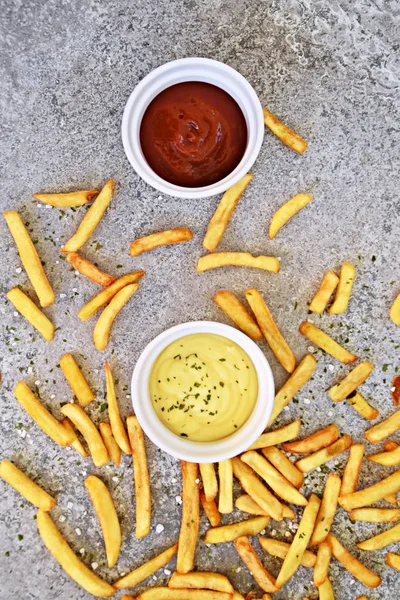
x: 30, y: 490
x: 88, y: 429
x: 286, y: 135
x: 343, y: 290
x: 395, y: 390
x: 102, y: 328
x: 209, y: 480
x: 31, y: 313
x: 228, y: 533
x: 105, y: 296
x: 296, y: 381
x: 326, y: 592
x: 276, y: 481
x: 322, y: 564
x: 91, y: 219
x: 352, y: 469
x: 314, y: 442
x: 89, y: 270
x: 388, y: 459
x: 283, y: 434
x: 150, y: 567
x: 296, y: 551
x: 76, y: 380
x: 236, y: 311
x: 395, y: 311
x: 127, y: 597
x: 393, y: 560
x: 190, y: 518
x: 225, y: 500
x: 340, y: 391
x: 201, y: 580
x: 284, y: 466
x: 160, y: 593
x: 384, y: 429
x: 280, y: 549
x: 270, y: 330
x: 216, y: 260
x: 68, y: 200
x: 390, y: 445
x: 67, y: 559
x: 287, y: 211
x: 162, y: 238
x: 42, y: 417
x: 327, y: 509
x: 390, y: 536
x: 211, y: 509
x: 107, y: 516
x: 324, y: 341
x: 376, y: 515
x: 248, y: 555
x: 76, y: 444
x: 113, y: 449
x: 246, y: 504
x: 372, y: 494
x: 359, y: 403
x: 29, y: 258
x: 311, y: 462
x: 117, y: 425
x: 354, y: 566
x: 223, y: 214
x: 328, y: 285
x: 142, y: 482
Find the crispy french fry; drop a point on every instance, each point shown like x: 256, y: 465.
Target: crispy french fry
x: 352, y: 469
x: 236, y: 311
x: 88, y: 429
x: 390, y: 536
x: 322, y: 564
x: 286, y: 135
x: 211, y: 509
x: 287, y: 211
x: 30, y: 490
x: 326, y: 592
x: 159, y: 593
x: 29, y: 258
x: 102, y: 328
x: 246, y: 504
x: 390, y: 445
x: 228, y: 533
x: 327, y: 509
x: 223, y: 214
x: 296, y: 551
x: 343, y: 290
x: 190, y: 518
x: 393, y: 560
x: 31, y: 313
x: 376, y: 515
x: 340, y: 391
x: 280, y: 549
x: 113, y: 449
x: 42, y: 417
x: 76, y: 444
x: 395, y: 311
x: 107, y: 516
x: 395, y: 390
x: 144, y: 571
x: 248, y: 555
x: 162, y: 238
x: 127, y: 597
x: 68, y: 200
x: 201, y: 580
x: 67, y: 559
x: 359, y: 403
x: 270, y: 330
x: 373, y: 493
x: 225, y: 500
x: 284, y: 466
x: 354, y: 566
x: 325, y: 455
x: 89, y: 270
x: 296, y: 381
x: 117, y: 425
x: 324, y: 341
x: 91, y: 219
x: 384, y: 429
x: 388, y: 459
x: 237, y: 259
x: 142, y: 482
x: 76, y: 379
x: 314, y: 442
x: 271, y: 438
x: 328, y: 285
x: 105, y: 296
x: 209, y: 480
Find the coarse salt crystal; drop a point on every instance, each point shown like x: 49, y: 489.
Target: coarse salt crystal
x: 128, y: 396
x: 318, y: 468
x: 30, y: 370
x: 307, y: 401
x: 287, y: 533
x: 39, y: 206
x: 331, y: 368
x: 167, y: 571
x: 69, y: 505
x: 23, y: 433
x: 57, y: 262
x: 238, y: 569
x: 197, y: 481
x: 52, y: 396
x: 74, y: 289
x: 94, y: 565
x: 330, y: 413
x: 178, y: 499
x: 61, y: 519
x: 78, y: 531
x: 83, y: 473
x: 63, y: 295
x: 82, y: 551
x: 393, y: 389
x: 286, y: 408
x: 159, y: 528
x: 155, y: 577
x: 18, y: 270
x: 76, y: 272
x: 311, y: 349
x: 37, y: 382
x: 174, y: 480
x: 273, y: 532
x: 115, y: 479
x: 15, y: 313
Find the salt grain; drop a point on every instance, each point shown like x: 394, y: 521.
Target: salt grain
x: 15, y: 313
x: 37, y: 382
x: 307, y: 401
x: 178, y: 499
x: 330, y: 413
x: 197, y: 481
x: 393, y: 389
x: 331, y: 368
x: 63, y: 295
x: 311, y: 348
x: 174, y: 480
x: 286, y: 408
x: 273, y: 532
x: 115, y: 479
x: 159, y: 528
x: 52, y: 396
x: 82, y: 551
x: 287, y: 533
x: 78, y: 531
x: 69, y: 505
x: 167, y: 571
x: 18, y: 270
x: 94, y: 565
x: 30, y: 370
x: 61, y: 518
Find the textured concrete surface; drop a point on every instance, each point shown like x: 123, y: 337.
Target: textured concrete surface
x: 331, y: 70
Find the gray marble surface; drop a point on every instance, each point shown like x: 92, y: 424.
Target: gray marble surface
x: 331, y: 70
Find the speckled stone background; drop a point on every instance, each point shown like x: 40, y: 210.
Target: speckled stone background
x: 331, y: 70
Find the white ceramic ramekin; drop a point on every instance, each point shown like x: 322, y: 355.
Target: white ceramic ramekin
x: 192, y: 69
x: 202, y: 452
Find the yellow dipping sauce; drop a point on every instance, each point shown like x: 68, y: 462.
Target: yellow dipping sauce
x: 203, y: 387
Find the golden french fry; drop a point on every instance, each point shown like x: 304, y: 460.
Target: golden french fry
x: 395, y: 311
x: 76, y: 379
x: 384, y: 429
x: 343, y: 290
x: 142, y: 482
x: 159, y: 593
x: 325, y: 455
x: 76, y: 444
x: 390, y: 536
x: 29, y: 258
x: 296, y: 551
x: 237, y: 259
x: 389, y: 459
x: 31, y: 312
x: 201, y: 580
x: 127, y: 597
x: 286, y: 135
x: 113, y: 449
x: 190, y: 518
x: 352, y: 469
x: 228, y: 533
x: 328, y: 285
x: 225, y: 500
x: 360, y: 405
x: 107, y: 516
x: 211, y: 509
x: 390, y: 445
x: 246, y: 504
x: 102, y: 328
x: 88, y: 429
x: 68, y: 200
x: 144, y: 571
x: 393, y: 560
x: 209, y: 480
x: 162, y: 238
x: 284, y: 466
x: 373, y: 493
x: 327, y: 509
x: 30, y: 490
x: 314, y: 442
x: 340, y: 391
x: 287, y: 211
x: 91, y: 219
x: 326, y: 592
x: 89, y: 270
x: 270, y: 330
x: 296, y: 381
x: 67, y: 559
x: 271, y: 438
x: 248, y: 555
x: 105, y: 296
x: 280, y: 549
x: 117, y: 425
x: 236, y: 311
x: 376, y: 515
x: 324, y: 341
x: 322, y: 564
x: 223, y: 214
x: 354, y: 566
x: 42, y: 417
x: 395, y: 390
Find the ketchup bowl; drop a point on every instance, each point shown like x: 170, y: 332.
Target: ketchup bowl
x: 200, y: 70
